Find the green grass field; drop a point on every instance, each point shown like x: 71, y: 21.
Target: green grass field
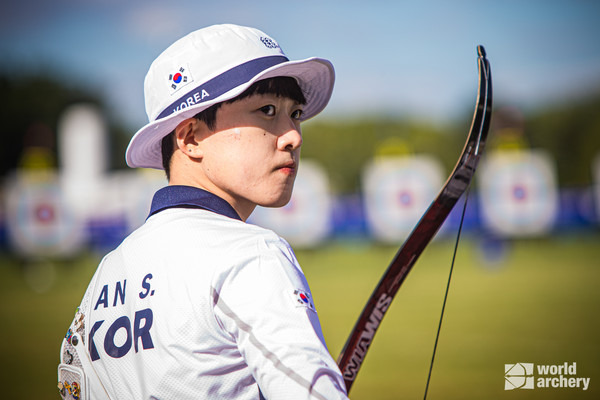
x: 537, y: 303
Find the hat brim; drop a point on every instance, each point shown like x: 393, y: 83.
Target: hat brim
x: 315, y: 76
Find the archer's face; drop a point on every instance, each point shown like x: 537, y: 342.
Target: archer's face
x: 252, y: 156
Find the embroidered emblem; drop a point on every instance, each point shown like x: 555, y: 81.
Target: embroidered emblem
x: 269, y: 43
x: 79, y: 323
x: 69, y: 388
x: 303, y: 299
x: 179, y: 78
x: 69, y: 335
x: 68, y: 357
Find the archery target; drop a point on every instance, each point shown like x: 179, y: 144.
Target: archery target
x: 397, y: 192
x: 127, y: 196
x: 135, y: 190
x: 39, y: 222
x: 518, y: 192
x: 306, y: 220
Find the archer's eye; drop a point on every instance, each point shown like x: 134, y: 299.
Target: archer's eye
x: 268, y: 110
x: 297, y: 114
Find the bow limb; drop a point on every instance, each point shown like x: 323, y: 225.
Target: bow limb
x: 360, y: 338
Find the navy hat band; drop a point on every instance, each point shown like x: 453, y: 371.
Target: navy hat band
x: 222, y: 83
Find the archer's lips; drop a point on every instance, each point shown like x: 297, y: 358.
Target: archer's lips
x: 288, y: 168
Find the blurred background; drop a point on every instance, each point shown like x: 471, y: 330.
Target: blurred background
x: 525, y: 283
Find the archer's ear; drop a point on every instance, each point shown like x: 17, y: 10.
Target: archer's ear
x: 189, y: 135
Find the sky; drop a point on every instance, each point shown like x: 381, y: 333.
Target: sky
x: 403, y: 58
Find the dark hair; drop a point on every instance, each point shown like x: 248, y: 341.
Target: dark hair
x: 280, y: 86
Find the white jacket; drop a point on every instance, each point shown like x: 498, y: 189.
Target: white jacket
x: 198, y: 305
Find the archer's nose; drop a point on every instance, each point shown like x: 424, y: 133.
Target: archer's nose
x: 290, y: 140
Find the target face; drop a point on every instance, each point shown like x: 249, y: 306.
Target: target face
x: 133, y: 191
x: 518, y: 191
x: 397, y: 191
x: 39, y: 222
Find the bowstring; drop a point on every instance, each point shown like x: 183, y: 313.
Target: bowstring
x: 437, y: 336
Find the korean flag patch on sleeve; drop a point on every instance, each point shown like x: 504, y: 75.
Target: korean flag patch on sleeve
x: 303, y: 298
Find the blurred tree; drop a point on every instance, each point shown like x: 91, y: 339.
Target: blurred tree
x: 571, y: 133
x: 343, y: 148
x: 30, y: 107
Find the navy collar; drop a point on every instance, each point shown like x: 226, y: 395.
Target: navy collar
x: 190, y: 197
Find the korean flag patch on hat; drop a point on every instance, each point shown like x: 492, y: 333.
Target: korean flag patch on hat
x: 212, y: 65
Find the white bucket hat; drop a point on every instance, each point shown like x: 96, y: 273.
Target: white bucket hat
x: 212, y: 65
